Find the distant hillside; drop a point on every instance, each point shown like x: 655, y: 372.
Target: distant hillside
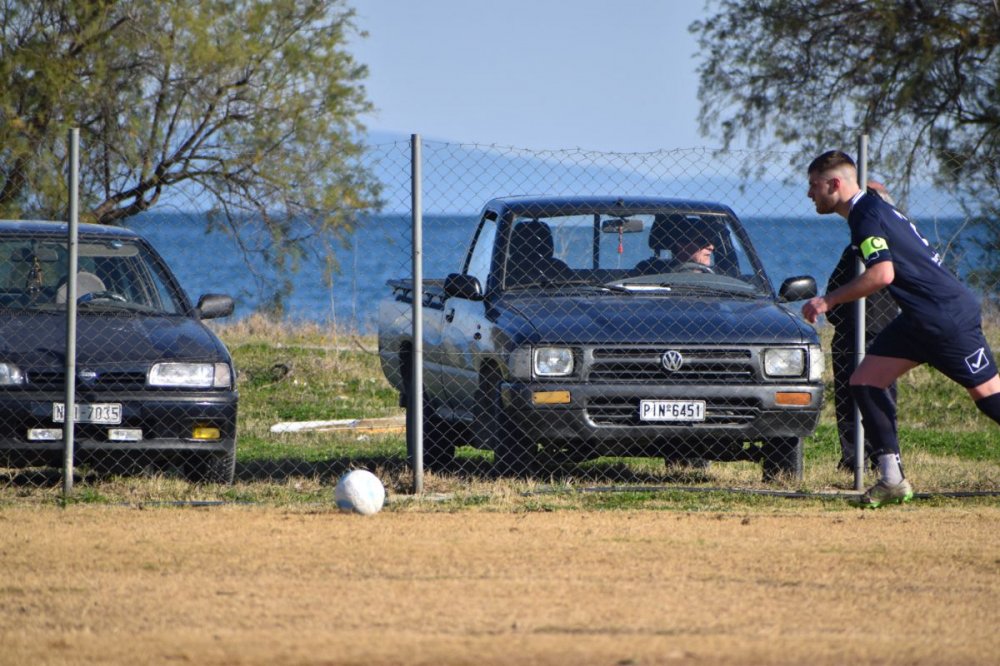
x: 458, y: 178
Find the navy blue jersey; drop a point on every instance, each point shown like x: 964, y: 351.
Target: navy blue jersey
x: 925, y: 290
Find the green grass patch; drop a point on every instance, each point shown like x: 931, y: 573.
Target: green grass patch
x: 310, y: 373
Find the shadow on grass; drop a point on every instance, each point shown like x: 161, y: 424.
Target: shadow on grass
x: 471, y: 468
x: 281, y: 470
x: 477, y: 467
x: 34, y: 477
x: 638, y: 471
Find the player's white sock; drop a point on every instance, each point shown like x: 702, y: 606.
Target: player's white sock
x: 890, y: 469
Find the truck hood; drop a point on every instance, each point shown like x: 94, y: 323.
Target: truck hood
x: 630, y: 318
x: 39, y: 340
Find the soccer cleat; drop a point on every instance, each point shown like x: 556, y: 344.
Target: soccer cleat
x: 887, y: 493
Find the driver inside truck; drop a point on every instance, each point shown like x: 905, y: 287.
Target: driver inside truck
x: 696, y: 249
x: 689, y: 242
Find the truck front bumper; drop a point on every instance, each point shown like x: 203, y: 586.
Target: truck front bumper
x: 606, y: 417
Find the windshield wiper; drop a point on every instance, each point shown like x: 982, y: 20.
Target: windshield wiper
x: 582, y: 282
x: 107, y: 304
x: 713, y: 290
x: 546, y: 282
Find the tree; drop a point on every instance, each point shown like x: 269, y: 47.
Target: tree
x: 922, y: 77
x: 249, y: 108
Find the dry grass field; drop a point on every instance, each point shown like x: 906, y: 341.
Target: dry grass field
x: 416, y: 584
x: 482, y: 570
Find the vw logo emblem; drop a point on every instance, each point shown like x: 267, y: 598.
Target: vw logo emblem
x: 672, y: 360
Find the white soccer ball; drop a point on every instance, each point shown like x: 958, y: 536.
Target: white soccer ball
x: 359, y: 491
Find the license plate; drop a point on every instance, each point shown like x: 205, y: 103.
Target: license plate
x: 98, y: 412
x: 672, y: 410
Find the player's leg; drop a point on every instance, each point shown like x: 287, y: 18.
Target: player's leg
x: 987, y: 397
x: 968, y: 360
x: 894, y: 352
x: 881, y: 371
x: 870, y: 388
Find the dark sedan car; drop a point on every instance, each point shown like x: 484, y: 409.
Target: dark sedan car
x: 154, y: 386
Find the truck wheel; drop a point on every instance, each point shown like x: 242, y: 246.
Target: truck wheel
x: 782, y: 459
x: 513, y: 454
x: 439, y: 446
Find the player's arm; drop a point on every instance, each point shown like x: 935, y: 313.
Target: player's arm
x: 878, y: 276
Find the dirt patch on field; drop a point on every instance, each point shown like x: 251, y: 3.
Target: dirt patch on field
x: 252, y: 585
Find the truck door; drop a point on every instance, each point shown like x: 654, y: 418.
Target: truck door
x: 464, y: 328
x: 435, y: 395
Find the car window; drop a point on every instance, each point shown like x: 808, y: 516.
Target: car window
x: 482, y: 252
x: 112, y: 276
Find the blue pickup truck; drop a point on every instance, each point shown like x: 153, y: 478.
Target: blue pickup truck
x: 584, y: 327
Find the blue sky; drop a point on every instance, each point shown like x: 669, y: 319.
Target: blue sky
x: 543, y: 74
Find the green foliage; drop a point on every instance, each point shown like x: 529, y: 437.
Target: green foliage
x: 247, y: 107
x: 926, y: 70
x: 922, y: 78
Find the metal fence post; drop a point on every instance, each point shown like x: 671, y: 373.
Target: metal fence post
x: 69, y: 411
x: 860, y: 330
x: 416, y: 406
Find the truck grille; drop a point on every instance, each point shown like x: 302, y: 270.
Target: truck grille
x: 718, y: 412
x: 701, y: 365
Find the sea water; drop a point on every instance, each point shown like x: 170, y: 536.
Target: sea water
x: 380, y: 249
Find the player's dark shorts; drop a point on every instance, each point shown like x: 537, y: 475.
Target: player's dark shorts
x: 960, y: 351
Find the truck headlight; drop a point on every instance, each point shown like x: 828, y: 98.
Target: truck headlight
x: 191, y: 375
x: 10, y: 375
x: 552, y: 361
x: 784, y: 362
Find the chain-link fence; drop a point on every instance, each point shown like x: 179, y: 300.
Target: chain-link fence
x: 634, y: 318
x: 608, y: 318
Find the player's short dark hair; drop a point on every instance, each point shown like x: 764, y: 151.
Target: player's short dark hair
x: 830, y: 160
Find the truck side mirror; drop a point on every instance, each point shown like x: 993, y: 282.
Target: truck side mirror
x: 464, y: 286
x: 797, y: 288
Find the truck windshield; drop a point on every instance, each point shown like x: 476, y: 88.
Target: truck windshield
x: 668, y: 247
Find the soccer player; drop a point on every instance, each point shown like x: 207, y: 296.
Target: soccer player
x: 939, y: 324
x: 880, y: 309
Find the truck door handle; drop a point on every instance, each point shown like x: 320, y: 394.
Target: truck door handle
x: 449, y: 316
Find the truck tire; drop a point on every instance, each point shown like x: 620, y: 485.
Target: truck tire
x: 439, y: 445
x: 782, y: 459
x: 439, y: 442
x: 513, y: 454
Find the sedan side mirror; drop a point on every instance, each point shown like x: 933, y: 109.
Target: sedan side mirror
x: 464, y: 286
x: 797, y: 288
x: 211, y: 306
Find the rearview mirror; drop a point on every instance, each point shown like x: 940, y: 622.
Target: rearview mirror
x: 45, y: 254
x: 621, y: 225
